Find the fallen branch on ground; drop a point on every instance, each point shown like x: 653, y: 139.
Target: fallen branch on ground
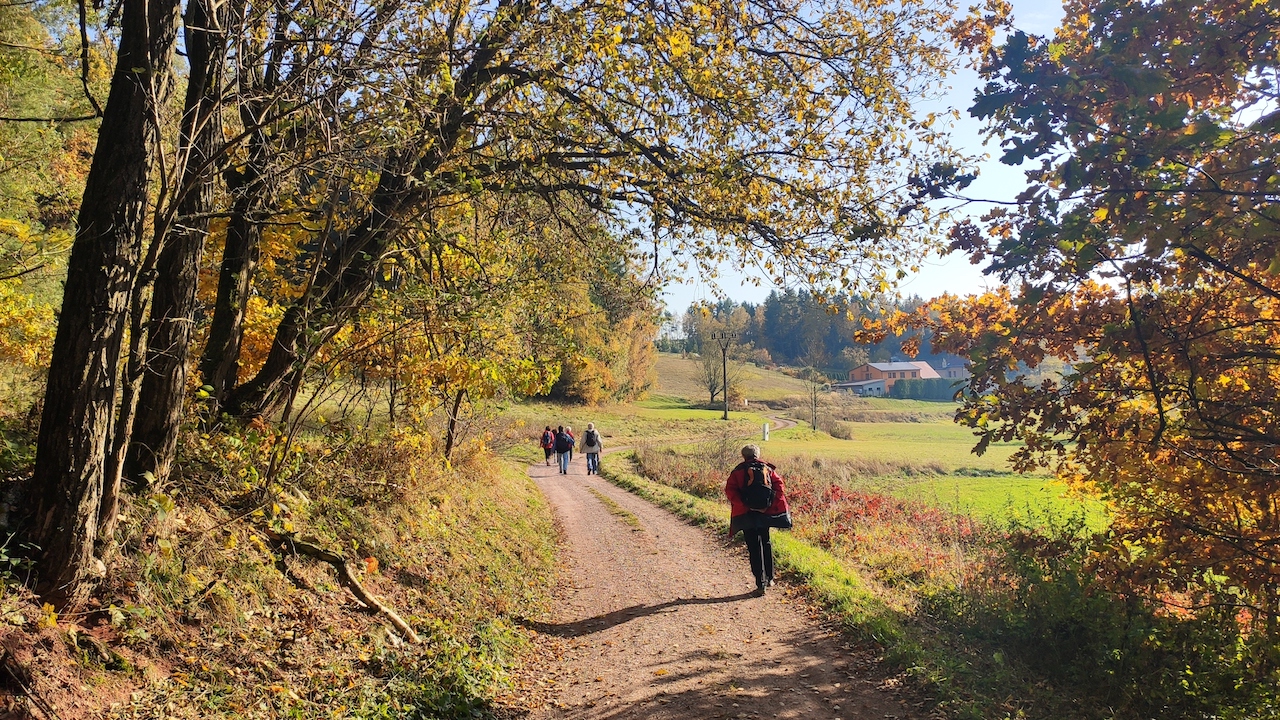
x: 345, y: 576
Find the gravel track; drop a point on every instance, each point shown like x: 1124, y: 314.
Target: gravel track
x: 659, y: 622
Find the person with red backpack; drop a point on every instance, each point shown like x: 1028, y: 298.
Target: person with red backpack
x: 548, y: 443
x: 757, y: 502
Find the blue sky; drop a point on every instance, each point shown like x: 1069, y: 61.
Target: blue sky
x: 952, y: 273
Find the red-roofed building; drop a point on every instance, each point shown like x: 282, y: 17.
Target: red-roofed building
x: 892, y: 372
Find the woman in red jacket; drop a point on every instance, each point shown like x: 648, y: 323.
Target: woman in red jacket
x: 757, y: 502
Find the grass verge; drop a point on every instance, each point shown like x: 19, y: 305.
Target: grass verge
x: 207, y: 617
x: 617, y: 510
x: 838, y: 588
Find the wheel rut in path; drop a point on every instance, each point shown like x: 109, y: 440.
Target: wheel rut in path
x: 659, y: 622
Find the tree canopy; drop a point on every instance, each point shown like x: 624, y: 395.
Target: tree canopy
x: 795, y: 327
x: 370, y: 168
x: 1144, y: 253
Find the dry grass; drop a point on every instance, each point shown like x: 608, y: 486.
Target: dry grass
x: 702, y: 469
x: 211, y: 619
x: 910, y: 548
x: 679, y: 377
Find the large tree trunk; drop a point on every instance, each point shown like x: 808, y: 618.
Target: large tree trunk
x: 81, y: 391
x: 341, y: 286
x: 159, y: 412
x: 348, y: 273
x: 220, y: 363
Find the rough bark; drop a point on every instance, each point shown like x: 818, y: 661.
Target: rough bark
x: 159, y: 411
x: 220, y: 363
x: 81, y: 390
x: 348, y: 273
x: 342, y: 284
x: 126, y: 409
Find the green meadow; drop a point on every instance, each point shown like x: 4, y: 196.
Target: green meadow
x: 934, y: 463
x: 987, y: 600
x: 659, y: 420
x: 906, y: 448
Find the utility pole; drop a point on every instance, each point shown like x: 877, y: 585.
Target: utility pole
x: 724, y: 339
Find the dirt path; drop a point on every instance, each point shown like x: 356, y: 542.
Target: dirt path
x: 782, y: 423
x: 656, y: 620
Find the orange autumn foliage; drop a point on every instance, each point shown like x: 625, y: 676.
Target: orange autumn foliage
x: 1145, y: 255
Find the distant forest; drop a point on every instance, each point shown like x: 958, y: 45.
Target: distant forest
x: 792, y: 328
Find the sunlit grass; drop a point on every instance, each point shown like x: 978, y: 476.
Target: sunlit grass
x: 1028, y: 498
x: 679, y: 376
x: 916, y: 453
x: 617, y: 510
x: 660, y: 420
x: 945, y: 443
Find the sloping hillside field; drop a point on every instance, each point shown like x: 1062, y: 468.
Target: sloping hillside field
x: 906, y: 448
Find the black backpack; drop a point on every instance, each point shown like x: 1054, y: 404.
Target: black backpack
x: 757, y: 492
x: 564, y: 443
x: 589, y: 439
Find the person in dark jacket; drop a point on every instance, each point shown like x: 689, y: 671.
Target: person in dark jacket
x: 755, y: 523
x: 564, y: 449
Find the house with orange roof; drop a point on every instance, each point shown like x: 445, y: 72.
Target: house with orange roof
x: 878, y: 378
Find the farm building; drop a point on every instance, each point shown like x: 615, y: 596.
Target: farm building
x: 954, y: 372
x: 890, y: 373
x: 864, y: 388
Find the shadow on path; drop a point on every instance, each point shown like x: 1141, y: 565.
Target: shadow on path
x: 791, y: 675
x: 618, y: 617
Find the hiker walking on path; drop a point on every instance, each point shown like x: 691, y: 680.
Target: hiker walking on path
x: 564, y: 449
x: 607, y: 644
x: 757, y: 502
x: 592, y: 445
x: 548, y: 443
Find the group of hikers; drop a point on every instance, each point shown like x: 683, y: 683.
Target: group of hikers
x: 757, y: 499
x: 561, y: 443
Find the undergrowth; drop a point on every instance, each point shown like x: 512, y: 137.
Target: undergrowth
x: 995, y: 621
x: 206, y: 616
x: 702, y: 470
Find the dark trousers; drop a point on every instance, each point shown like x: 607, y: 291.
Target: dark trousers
x: 760, y: 552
